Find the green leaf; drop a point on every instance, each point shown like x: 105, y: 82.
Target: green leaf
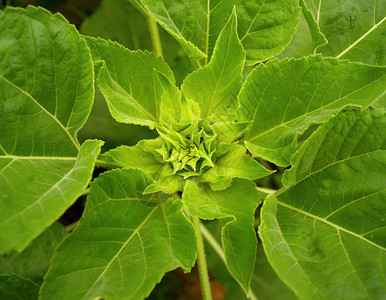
x: 236, y: 163
x: 13, y: 287
x: 102, y: 126
x: 124, y: 243
x: 34, y: 261
x: 46, y: 80
x: 119, y: 21
x: 265, y: 283
x: 298, y: 92
x: 230, y: 131
x: 129, y: 82
x: 318, y: 38
x: 171, y: 106
x: 46, y: 93
x: 36, y: 191
x: 355, y: 30
x: 306, y: 38
x: 265, y: 28
x: 134, y: 158
x: 324, y: 233
x: 237, y: 204
x: 215, y: 86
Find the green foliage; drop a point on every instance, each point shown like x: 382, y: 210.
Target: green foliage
x: 46, y: 90
x: 217, y: 132
x: 329, y: 217
x: 124, y: 243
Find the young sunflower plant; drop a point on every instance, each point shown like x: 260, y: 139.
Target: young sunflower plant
x: 320, y: 116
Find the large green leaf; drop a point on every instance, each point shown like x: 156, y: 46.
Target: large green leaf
x: 282, y: 99
x: 36, y: 191
x: 124, y: 243
x: 129, y: 81
x: 237, y: 205
x: 265, y: 28
x: 324, y: 233
x: 354, y: 29
x: 215, y: 87
x: 34, y: 261
x: 46, y: 92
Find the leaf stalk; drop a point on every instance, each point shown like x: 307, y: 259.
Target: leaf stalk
x: 201, y: 260
x: 218, y: 249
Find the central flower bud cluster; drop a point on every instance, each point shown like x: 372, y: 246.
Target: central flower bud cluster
x: 189, y: 148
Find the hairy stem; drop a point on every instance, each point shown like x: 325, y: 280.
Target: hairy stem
x: 154, y: 33
x: 265, y: 190
x: 202, y: 266
x: 219, y: 251
x: 153, y: 28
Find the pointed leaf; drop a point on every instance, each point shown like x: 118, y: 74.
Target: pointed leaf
x: 236, y: 163
x: 34, y: 261
x: 324, y: 233
x: 298, y: 92
x: 171, y: 106
x: 129, y: 82
x: 215, y: 86
x: 46, y: 93
x: 355, y: 30
x: 133, y: 158
x: 265, y: 283
x: 124, y: 244
x: 36, y: 191
x: 237, y: 204
x: 318, y: 38
x: 265, y: 28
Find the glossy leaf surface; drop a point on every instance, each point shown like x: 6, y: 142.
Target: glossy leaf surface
x: 265, y: 28
x: 129, y: 82
x: 328, y: 222
x: 311, y: 90
x: 215, y: 86
x: 355, y: 30
x: 46, y: 93
x: 124, y: 244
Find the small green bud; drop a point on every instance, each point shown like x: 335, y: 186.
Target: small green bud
x: 189, y: 148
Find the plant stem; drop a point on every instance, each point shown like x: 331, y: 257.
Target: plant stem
x: 154, y: 33
x: 218, y: 249
x: 202, y: 266
x: 153, y: 28
x: 265, y: 190
x: 86, y: 192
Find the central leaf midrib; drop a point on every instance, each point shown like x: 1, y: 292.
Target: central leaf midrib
x: 317, y: 110
x: 135, y: 232
x: 44, y: 110
x: 307, y: 214
x: 135, y: 102
x: 282, y: 191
